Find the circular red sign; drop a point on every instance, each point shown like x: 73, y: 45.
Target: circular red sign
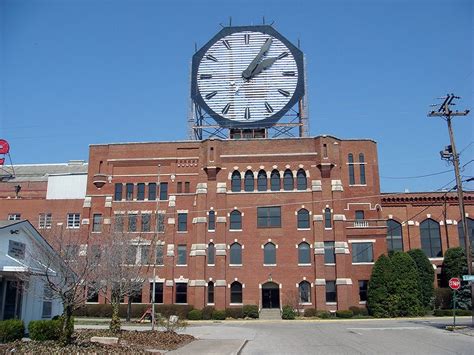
x: 455, y: 283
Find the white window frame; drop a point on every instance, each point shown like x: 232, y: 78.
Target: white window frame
x: 73, y: 220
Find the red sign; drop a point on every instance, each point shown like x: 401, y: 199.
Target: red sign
x: 455, y: 283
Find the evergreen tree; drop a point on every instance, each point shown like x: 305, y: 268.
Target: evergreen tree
x: 455, y: 265
x: 425, y: 276
x: 380, y: 300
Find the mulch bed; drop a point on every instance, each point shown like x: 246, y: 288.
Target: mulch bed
x: 130, y: 342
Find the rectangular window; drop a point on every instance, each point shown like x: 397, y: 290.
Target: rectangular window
x: 14, y: 216
x: 331, y: 292
x: 152, y: 191
x: 118, y: 192
x: 140, y: 192
x: 146, y: 219
x: 45, y: 220
x: 363, y: 284
x: 158, y: 292
x: 73, y: 220
x: 118, y: 223
x: 159, y: 255
x: 97, y: 222
x: 163, y: 191
x: 47, y: 302
x: 181, y: 292
x: 182, y: 222
x: 132, y: 222
x: 329, y: 254
x: 129, y: 196
x: 359, y: 215
x: 132, y: 254
x: 211, y: 225
x: 269, y: 217
x: 145, y: 253
x: 187, y: 187
x: 179, y: 187
x: 362, y: 253
x: 92, y: 293
x: 160, y: 222
x: 181, y: 255
x: 136, y: 294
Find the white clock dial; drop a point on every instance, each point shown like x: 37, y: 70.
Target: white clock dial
x: 221, y: 76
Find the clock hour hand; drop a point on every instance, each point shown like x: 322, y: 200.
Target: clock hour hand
x: 264, y: 64
x: 247, y: 73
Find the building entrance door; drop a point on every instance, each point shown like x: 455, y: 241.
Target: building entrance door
x: 270, y: 295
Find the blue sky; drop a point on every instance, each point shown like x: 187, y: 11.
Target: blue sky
x: 76, y: 72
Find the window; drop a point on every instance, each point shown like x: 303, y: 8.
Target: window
x: 97, y: 222
x: 248, y: 181
x: 236, y: 292
x: 210, y: 292
x: 118, y: 223
x: 470, y: 232
x: 146, y: 219
x: 182, y: 222
x: 275, y: 180
x: 132, y: 222
x: 329, y: 253
x: 163, y: 191
x: 47, y: 302
x: 262, y: 180
x: 235, y: 220
x: 362, y: 169
x: 187, y: 187
x: 211, y: 224
x: 304, y: 289
x: 152, y: 191
x: 73, y: 220
x: 430, y: 238
x: 136, y: 292
x: 179, y: 187
x: 45, y: 220
x: 288, y: 182
x: 350, y: 158
x: 92, y: 293
x: 304, y: 253
x: 131, y: 257
x: 359, y: 215
x: 269, y: 217
x: 129, y: 192
x: 362, y: 253
x: 181, y: 255
x: 159, y: 255
x: 269, y: 254
x: 235, y: 254
x: 325, y: 150
x: 158, y: 292
x: 140, y: 192
x: 327, y: 218
x: 303, y: 218
x: 211, y: 254
x: 331, y: 293
x: 118, y: 192
x: 301, y: 183
x: 235, y: 184
x: 181, y: 292
x: 394, y: 236
x: 363, y: 285
x: 160, y: 222
x: 144, y: 254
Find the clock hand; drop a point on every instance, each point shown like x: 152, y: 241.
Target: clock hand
x: 247, y: 73
x: 264, y: 64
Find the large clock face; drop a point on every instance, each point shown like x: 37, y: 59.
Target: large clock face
x: 248, y: 77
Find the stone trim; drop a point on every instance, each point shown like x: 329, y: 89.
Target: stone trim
x: 201, y: 188
x: 336, y: 185
x: 316, y: 185
x: 199, y: 220
x: 221, y: 188
x: 108, y: 201
x: 343, y: 281
x: 169, y: 283
x: 87, y: 202
x: 320, y: 282
x: 220, y: 283
x: 170, y: 250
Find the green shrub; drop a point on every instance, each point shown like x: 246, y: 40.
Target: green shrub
x: 167, y: 310
x: 323, y: 314
x: 310, y: 312
x: 207, y: 312
x: 359, y: 311
x: 234, y: 312
x: 449, y: 312
x: 250, y: 311
x: 288, y: 313
x: 11, y: 330
x: 443, y: 298
x: 218, y: 315
x: 425, y: 276
x: 105, y: 310
x: 344, y: 314
x: 195, y: 314
x: 42, y: 330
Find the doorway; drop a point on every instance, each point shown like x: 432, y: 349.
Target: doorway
x: 270, y: 295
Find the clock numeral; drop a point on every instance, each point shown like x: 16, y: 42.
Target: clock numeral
x: 226, y: 43
x: 205, y: 76
x: 247, y: 38
x: 283, y: 55
x: 211, y: 95
x: 247, y: 113
x: 211, y: 57
x: 289, y: 73
x: 226, y: 109
x: 284, y: 92
x: 268, y: 107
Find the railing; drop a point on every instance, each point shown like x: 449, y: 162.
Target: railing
x: 366, y: 223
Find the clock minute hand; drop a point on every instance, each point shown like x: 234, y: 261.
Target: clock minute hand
x: 264, y: 64
x: 247, y: 73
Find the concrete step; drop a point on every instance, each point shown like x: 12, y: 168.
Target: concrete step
x: 270, y: 313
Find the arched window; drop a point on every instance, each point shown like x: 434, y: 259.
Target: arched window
x: 350, y: 159
x: 211, y: 254
x: 394, y: 236
x: 303, y: 218
x: 236, y: 292
x: 301, y: 183
x: 248, y: 181
x: 236, y: 183
x: 288, y: 182
x: 470, y: 230
x: 362, y: 168
x: 236, y: 254
x: 304, y: 288
x: 262, y: 180
x: 430, y: 238
x: 275, y: 180
x: 269, y: 254
x: 211, y: 224
x: 235, y: 220
x: 327, y: 218
x: 304, y: 253
x: 210, y: 292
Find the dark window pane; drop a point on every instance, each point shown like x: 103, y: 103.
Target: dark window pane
x: 145, y: 254
x: 118, y: 224
x: 236, y: 184
x: 211, y: 254
x: 210, y: 292
x: 362, y: 169
x: 181, y: 255
x: 275, y: 180
x: 362, y: 253
x: 160, y: 222
x: 182, y: 222
x: 269, y: 254
x: 394, y: 236
x: 359, y: 215
x: 288, y: 182
x: 305, y: 292
x: 235, y: 220
x: 327, y: 218
x: 262, y: 181
x: 301, y: 180
x: 159, y: 255
x: 329, y: 253
x: 430, y: 238
x: 118, y: 192
x: 140, y: 192
x: 248, y: 181
x: 181, y: 293
x: 363, y: 284
x: 470, y: 231
x: 331, y: 293
x: 187, y: 187
x: 269, y: 217
x: 132, y: 222
x: 129, y: 190
x: 351, y: 169
x: 163, y: 191
x: 304, y: 253
x: 136, y: 293
x: 158, y: 292
x: 303, y: 218
x: 152, y: 191
x: 211, y: 225
x: 146, y: 222
x: 131, y: 254
x: 96, y: 222
x: 236, y: 254
x: 235, y: 292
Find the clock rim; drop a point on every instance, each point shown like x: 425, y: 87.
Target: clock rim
x: 262, y: 123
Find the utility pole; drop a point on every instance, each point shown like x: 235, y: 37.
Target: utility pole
x: 450, y: 154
